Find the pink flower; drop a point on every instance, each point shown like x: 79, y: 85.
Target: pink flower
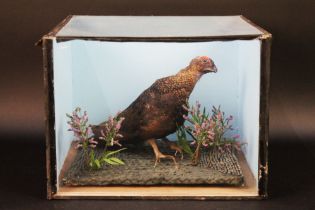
x: 198, y: 104
x: 111, y: 128
x: 193, y: 111
x: 117, y: 143
x: 91, y: 141
x: 76, y: 134
x: 118, y: 125
x: 89, y: 131
x: 78, y: 146
x: 121, y: 119
x: 77, y: 121
x: 111, y: 120
x: 211, y: 136
x: 203, y: 125
x: 205, y: 144
x: 219, y: 116
x: 85, y: 117
x: 210, y: 129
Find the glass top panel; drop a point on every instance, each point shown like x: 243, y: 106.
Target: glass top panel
x: 157, y: 26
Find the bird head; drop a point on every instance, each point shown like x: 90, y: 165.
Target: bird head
x: 203, y: 64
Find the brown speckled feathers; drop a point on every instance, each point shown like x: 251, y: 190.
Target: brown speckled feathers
x: 158, y: 110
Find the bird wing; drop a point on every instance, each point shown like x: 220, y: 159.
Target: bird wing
x: 154, y: 109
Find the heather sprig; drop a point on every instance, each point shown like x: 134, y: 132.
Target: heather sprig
x: 201, y: 126
x: 223, y: 125
x: 208, y: 130
x: 110, y: 134
x: 83, y: 133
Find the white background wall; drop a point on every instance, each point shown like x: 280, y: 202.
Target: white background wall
x: 249, y: 92
x: 62, y: 55
x: 108, y: 76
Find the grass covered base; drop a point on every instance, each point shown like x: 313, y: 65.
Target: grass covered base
x: 214, y: 169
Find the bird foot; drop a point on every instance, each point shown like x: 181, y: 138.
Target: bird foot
x: 159, y: 155
x: 174, y: 146
x: 177, y: 150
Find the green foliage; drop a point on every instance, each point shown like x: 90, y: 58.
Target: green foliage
x: 94, y: 162
x: 83, y: 132
x: 106, y: 158
x: 208, y: 130
x: 182, y: 141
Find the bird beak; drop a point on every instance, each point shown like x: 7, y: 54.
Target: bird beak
x: 214, y: 69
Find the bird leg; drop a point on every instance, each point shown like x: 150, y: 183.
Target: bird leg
x: 174, y: 146
x: 158, y: 154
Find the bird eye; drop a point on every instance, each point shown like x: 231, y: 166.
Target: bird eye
x: 205, y: 61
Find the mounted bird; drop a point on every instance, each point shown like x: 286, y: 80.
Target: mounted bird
x: 158, y: 110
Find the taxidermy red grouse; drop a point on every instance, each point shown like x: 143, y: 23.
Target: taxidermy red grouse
x: 158, y: 110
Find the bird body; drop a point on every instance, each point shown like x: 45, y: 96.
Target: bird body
x: 158, y: 110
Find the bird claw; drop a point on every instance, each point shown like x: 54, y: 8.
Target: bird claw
x: 158, y: 160
x: 159, y: 155
x: 181, y: 153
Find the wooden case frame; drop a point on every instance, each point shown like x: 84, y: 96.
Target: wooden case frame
x: 155, y: 192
